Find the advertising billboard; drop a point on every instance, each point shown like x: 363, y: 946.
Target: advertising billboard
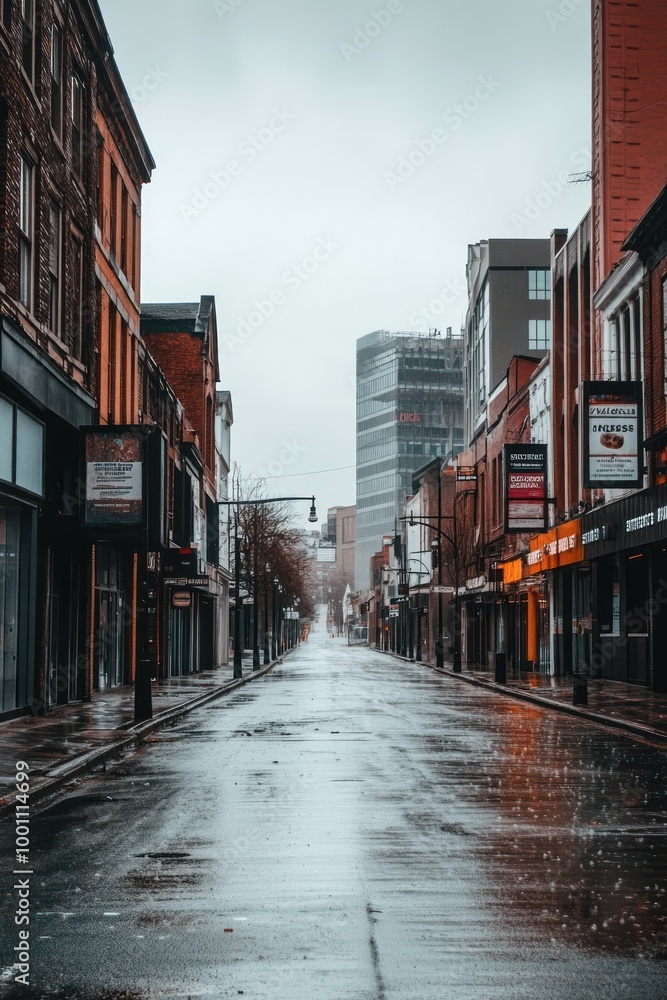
x: 612, y: 431
x: 525, y: 487
x: 114, y: 461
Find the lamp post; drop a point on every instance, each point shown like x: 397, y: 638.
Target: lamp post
x: 418, y: 630
x: 267, y: 657
x: 453, y: 540
x: 238, y: 652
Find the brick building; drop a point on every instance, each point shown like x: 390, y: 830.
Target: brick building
x: 183, y: 339
x: 60, y: 91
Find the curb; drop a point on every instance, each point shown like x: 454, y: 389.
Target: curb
x: 63, y: 773
x: 624, y: 725
x: 610, y: 721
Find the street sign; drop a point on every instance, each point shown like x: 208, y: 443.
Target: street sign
x: 442, y: 590
x: 466, y: 474
x: 181, y: 599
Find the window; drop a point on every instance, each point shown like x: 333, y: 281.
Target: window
x: 135, y: 246
x: 22, y: 448
x: 28, y: 33
x: 124, y: 211
x: 76, y: 345
x: 55, y: 243
x: 124, y: 352
x: 57, y: 79
x: 539, y: 284
x: 112, y: 369
x: 77, y: 125
x: 27, y: 234
x: 113, y: 210
x: 539, y: 334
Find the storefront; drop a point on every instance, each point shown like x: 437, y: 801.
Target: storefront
x: 189, y: 612
x: 626, y: 545
x: 548, y: 614
x: 43, y: 599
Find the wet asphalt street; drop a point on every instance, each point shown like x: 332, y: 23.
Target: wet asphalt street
x: 355, y: 827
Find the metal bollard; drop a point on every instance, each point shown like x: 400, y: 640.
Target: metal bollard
x: 501, y: 668
x: 579, y: 689
x: 143, y: 696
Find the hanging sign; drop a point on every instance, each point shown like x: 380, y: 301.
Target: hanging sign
x: 525, y: 487
x: 613, y: 446
x: 114, y: 459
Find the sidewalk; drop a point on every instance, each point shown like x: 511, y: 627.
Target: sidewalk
x: 71, y: 740
x: 629, y: 707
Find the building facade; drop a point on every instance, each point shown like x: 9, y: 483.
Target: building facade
x: 183, y: 339
x: 409, y: 409
x: 61, y: 101
x: 508, y: 314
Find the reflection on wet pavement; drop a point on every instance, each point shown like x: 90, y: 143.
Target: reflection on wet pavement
x: 358, y: 827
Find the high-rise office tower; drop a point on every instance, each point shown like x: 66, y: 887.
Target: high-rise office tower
x: 409, y: 410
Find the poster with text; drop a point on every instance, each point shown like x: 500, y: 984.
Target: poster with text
x: 613, y: 452
x: 114, y: 477
x: 525, y: 487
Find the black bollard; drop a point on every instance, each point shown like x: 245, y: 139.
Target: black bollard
x: 143, y: 698
x: 501, y: 668
x: 579, y: 689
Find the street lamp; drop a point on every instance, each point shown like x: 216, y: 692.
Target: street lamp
x: 454, y: 542
x: 238, y: 652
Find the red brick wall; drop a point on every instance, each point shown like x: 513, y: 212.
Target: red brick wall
x: 629, y: 120
x: 192, y: 377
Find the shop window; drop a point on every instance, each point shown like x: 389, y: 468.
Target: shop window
x: 10, y: 560
x: 609, y: 598
x: 21, y: 448
x: 29, y: 453
x: 6, y: 441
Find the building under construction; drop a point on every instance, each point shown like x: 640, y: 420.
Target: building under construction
x: 409, y: 410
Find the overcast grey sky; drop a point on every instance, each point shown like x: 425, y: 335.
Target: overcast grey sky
x: 291, y: 182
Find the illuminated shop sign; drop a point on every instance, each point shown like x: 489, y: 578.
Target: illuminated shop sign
x: 613, y: 447
x: 561, y: 546
x: 410, y: 418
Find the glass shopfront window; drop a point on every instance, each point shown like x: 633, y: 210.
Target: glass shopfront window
x: 21, y: 448
x: 10, y: 564
x: 6, y: 440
